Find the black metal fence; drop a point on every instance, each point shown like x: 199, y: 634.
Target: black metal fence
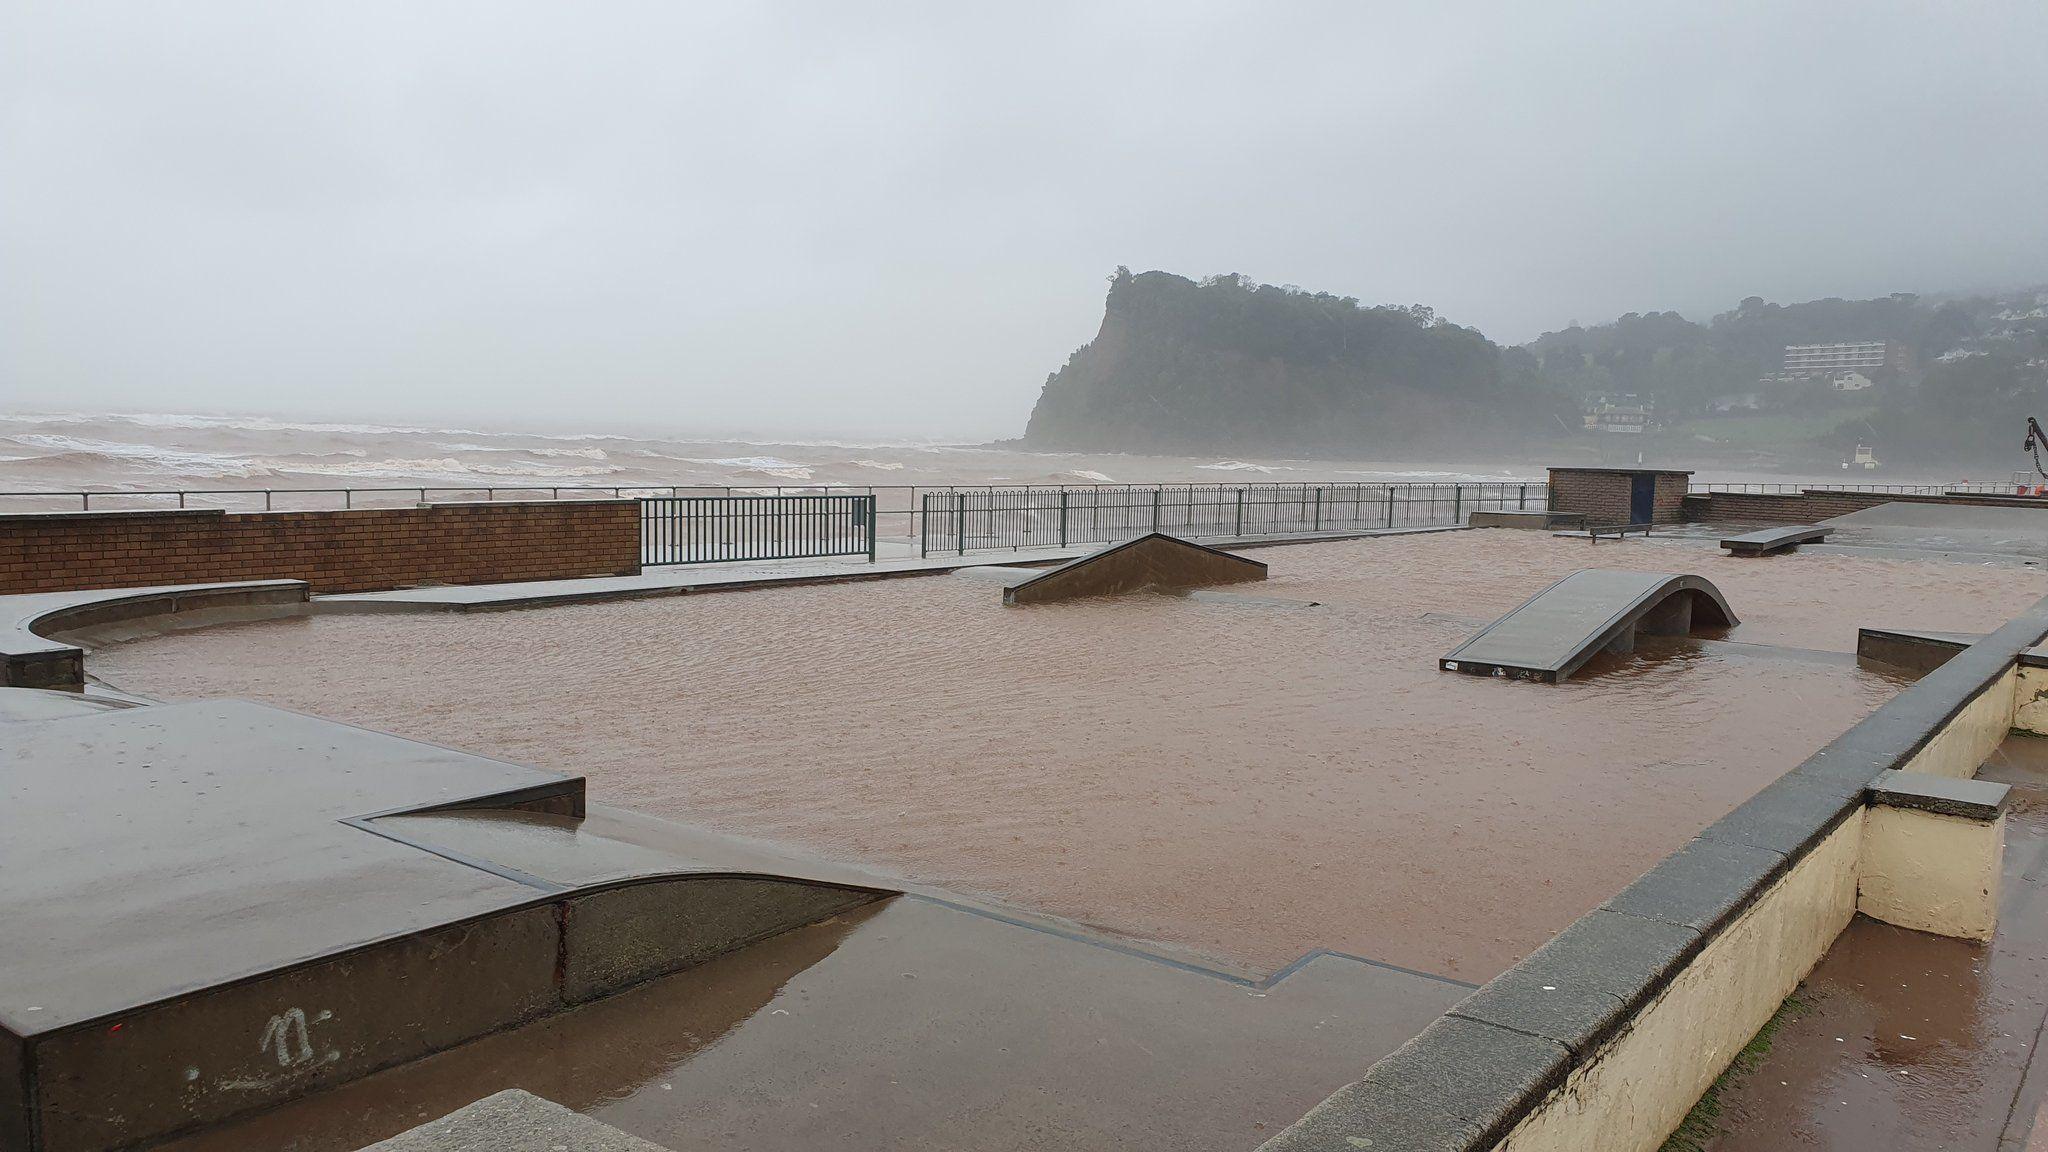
x: 708, y: 529
x: 966, y: 520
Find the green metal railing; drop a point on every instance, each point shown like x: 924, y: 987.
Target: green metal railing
x: 962, y: 520
x: 710, y: 529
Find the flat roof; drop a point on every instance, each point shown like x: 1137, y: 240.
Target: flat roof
x: 1628, y: 471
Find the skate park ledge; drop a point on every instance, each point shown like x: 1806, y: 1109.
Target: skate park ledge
x: 1609, y: 1034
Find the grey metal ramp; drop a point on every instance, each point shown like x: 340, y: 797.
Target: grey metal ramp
x: 1770, y: 540
x: 1560, y: 628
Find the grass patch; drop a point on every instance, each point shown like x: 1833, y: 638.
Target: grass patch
x: 1703, y: 1123
x: 1774, y: 431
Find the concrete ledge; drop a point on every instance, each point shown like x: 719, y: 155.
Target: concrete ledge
x: 1933, y: 849
x: 1770, y: 541
x: 1648, y: 998
x: 30, y: 656
x: 513, y: 1121
x: 1913, y: 649
x: 1539, y: 520
x: 1981, y: 800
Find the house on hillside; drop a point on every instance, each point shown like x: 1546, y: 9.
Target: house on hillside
x: 1627, y: 414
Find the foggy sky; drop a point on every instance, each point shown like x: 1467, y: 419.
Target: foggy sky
x: 893, y: 219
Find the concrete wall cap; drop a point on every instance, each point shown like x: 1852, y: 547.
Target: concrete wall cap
x: 1945, y: 795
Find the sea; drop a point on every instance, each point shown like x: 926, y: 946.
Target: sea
x: 105, y: 452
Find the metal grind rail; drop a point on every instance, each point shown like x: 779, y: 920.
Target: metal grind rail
x: 962, y: 520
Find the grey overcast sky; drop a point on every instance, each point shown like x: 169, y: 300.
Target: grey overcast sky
x: 896, y: 218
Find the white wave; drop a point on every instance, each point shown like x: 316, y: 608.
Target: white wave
x: 576, y: 453
x: 1238, y: 466
x: 151, y: 456
x: 446, y: 468
x: 1089, y: 474
x: 883, y: 465
x: 766, y: 465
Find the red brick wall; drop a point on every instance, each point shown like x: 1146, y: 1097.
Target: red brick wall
x: 1603, y: 497
x: 355, y: 551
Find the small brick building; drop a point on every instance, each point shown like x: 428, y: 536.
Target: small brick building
x: 1606, y: 496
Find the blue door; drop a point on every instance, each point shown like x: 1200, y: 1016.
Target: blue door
x: 1642, y: 498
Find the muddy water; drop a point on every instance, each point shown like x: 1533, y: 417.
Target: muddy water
x: 1249, y: 783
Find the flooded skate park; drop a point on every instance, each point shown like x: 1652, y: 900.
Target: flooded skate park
x: 1161, y: 841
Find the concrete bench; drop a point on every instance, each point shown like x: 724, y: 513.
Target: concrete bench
x: 1771, y: 540
x: 1618, y: 531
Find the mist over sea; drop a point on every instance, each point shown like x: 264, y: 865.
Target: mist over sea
x: 70, y: 452
x: 141, y: 451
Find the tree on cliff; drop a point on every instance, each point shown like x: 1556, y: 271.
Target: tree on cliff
x: 1230, y: 364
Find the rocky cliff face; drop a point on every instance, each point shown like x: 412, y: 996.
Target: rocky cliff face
x: 1226, y: 364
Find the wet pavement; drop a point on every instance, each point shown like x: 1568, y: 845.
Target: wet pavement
x: 152, y: 851
x: 1903, y: 1040
x: 911, y: 1025
x: 1246, y: 783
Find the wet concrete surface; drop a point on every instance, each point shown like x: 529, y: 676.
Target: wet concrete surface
x: 1904, y: 1040
x: 911, y: 1025
x: 1249, y: 784
x: 151, y: 851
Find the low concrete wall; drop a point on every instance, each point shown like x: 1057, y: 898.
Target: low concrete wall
x: 141, y: 1075
x: 2030, y: 696
x: 37, y: 650
x: 1635, y: 1090
x: 364, y: 550
x: 1816, y: 504
x: 1606, y: 1037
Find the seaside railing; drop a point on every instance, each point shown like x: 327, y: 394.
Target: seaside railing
x: 963, y: 520
x: 709, y: 529
x: 1794, y: 488
x: 679, y: 528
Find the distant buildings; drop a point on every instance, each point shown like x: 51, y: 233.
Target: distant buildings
x: 1620, y: 414
x: 1850, y: 366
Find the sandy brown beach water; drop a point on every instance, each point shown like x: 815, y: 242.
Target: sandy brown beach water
x: 1246, y: 782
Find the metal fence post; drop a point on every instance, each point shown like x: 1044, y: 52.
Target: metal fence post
x: 1390, y: 505
x: 1063, y: 517
x: 1522, y: 501
x: 1319, y: 511
x: 1240, y: 512
x: 1155, y: 509
x: 924, y: 525
x: 960, y: 522
x: 871, y: 529
x: 1457, y: 502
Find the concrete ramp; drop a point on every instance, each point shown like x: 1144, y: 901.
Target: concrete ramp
x: 214, y: 908
x: 1153, y: 562
x: 1593, y: 610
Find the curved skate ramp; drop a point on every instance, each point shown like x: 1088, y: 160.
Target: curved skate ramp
x: 1592, y: 610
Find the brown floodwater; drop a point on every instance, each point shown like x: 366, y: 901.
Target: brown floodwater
x: 1246, y: 781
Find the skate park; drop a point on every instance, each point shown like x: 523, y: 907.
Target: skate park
x: 731, y: 951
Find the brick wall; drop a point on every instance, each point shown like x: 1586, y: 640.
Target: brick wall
x: 1814, y: 505
x: 1602, y: 497
x: 355, y: 551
